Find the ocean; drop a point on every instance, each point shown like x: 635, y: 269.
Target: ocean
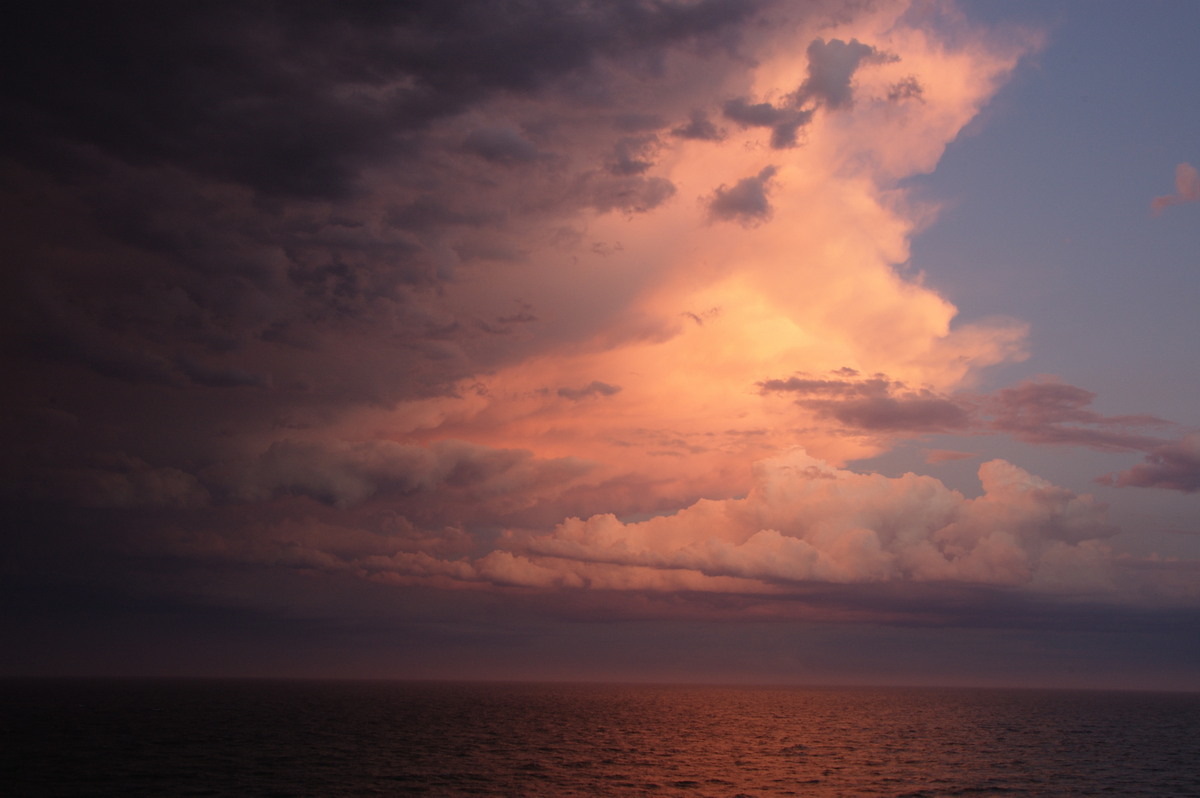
x: 295, y: 738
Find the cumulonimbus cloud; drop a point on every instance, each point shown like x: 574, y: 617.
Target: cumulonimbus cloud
x: 478, y: 284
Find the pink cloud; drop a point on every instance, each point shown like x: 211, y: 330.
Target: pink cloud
x: 947, y: 455
x: 1187, y: 189
x: 804, y: 522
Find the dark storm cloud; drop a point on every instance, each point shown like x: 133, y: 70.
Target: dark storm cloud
x: 208, y: 162
x: 229, y: 223
x: 746, y: 201
x: 502, y: 145
x: 217, y: 377
x: 295, y: 98
x: 347, y: 475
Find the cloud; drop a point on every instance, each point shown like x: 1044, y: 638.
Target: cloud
x: 831, y: 67
x: 700, y: 128
x: 908, y: 88
x: 746, y: 201
x: 784, y: 122
x: 125, y: 481
x: 1187, y: 189
x: 632, y: 154
x: 876, y: 404
x: 1047, y: 412
x: 502, y: 145
x: 947, y: 455
x: 1174, y: 466
x: 287, y: 93
x: 347, y: 475
x: 368, y: 263
x: 804, y: 522
x: 629, y: 194
x: 1057, y: 413
x: 593, y: 388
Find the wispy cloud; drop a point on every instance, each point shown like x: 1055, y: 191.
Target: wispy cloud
x: 1187, y: 189
x: 1174, y: 466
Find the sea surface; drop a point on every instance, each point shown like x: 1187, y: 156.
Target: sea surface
x: 278, y: 738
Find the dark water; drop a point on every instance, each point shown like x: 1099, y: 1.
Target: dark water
x: 364, y: 738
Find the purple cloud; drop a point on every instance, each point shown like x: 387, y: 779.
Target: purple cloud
x: 746, y: 201
x: 1057, y: 413
x: 1174, y: 466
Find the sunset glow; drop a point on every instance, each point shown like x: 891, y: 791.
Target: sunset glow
x: 585, y: 340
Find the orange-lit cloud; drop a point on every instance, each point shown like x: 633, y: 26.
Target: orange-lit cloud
x: 605, y: 307
x: 802, y: 522
x: 1187, y: 189
x: 764, y: 258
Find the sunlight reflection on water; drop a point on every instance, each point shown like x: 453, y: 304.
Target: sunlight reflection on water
x: 375, y: 738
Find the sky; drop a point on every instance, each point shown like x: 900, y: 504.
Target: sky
x: 689, y: 340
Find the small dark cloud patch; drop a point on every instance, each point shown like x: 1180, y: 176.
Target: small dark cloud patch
x: 918, y: 412
x: 426, y: 212
x: 908, y: 88
x: 638, y: 123
x: 524, y: 315
x: 745, y: 202
x: 785, y: 122
x: 828, y: 84
x: 502, y: 145
x: 220, y: 376
x: 753, y: 114
x: 875, y: 404
x: 1035, y: 412
x: 699, y: 128
x: 631, y: 155
x: 831, y: 68
x: 631, y: 194
x: 593, y: 388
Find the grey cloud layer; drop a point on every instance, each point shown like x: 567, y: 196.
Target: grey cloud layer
x: 1035, y: 412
